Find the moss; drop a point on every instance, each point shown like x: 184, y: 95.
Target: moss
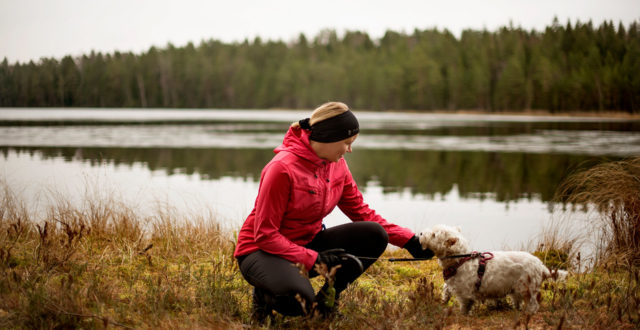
x: 553, y: 259
x: 407, y: 272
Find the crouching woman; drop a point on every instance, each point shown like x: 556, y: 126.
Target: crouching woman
x: 303, y: 183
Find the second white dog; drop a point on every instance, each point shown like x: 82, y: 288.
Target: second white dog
x: 515, y: 274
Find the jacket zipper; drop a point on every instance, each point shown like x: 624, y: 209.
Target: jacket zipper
x: 325, y: 185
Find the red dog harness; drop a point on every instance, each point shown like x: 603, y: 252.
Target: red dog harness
x: 484, y: 257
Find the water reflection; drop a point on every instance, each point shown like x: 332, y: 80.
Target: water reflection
x: 498, y: 176
x: 429, y: 188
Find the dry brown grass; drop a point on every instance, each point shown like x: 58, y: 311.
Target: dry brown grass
x: 559, y: 246
x: 613, y: 190
x: 101, y: 264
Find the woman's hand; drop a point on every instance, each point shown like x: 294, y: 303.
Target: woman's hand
x: 335, y: 257
x: 415, y: 248
x: 330, y: 258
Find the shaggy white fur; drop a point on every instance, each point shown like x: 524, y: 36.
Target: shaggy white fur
x: 515, y: 274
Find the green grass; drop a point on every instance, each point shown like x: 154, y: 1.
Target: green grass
x: 102, y: 265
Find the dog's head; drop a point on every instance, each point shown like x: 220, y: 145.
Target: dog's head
x: 443, y: 240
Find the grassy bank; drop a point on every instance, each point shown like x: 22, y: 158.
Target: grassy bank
x: 102, y: 265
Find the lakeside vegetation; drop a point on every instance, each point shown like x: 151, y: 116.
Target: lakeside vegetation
x: 568, y: 67
x: 99, y: 264
x: 612, y: 189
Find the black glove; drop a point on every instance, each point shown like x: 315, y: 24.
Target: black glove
x: 330, y: 258
x: 334, y: 257
x: 415, y: 248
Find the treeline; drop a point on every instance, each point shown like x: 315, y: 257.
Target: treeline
x: 571, y: 67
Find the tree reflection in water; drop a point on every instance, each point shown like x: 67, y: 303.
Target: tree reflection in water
x: 497, y: 175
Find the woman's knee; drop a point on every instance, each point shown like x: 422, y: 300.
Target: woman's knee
x: 275, y: 275
x: 377, y: 233
x: 294, y: 300
x: 304, y: 292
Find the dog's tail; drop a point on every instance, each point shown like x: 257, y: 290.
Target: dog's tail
x: 557, y: 275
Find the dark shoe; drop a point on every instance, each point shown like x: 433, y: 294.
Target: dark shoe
x: 260, y: 307
x: 326, y: 302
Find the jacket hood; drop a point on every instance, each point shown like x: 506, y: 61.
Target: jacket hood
x: 297, y: 142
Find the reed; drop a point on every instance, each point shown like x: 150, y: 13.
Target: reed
x: 613, y: 190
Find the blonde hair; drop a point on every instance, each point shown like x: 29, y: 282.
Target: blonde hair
x: 325, y: 111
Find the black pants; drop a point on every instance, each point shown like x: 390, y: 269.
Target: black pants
x: 280, y: 280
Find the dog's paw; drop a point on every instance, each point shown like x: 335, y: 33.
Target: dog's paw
x: 446, y: 295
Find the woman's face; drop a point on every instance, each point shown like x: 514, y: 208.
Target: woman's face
x: 333, y: 151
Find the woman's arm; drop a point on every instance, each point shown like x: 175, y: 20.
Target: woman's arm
x: 353, y: 205
x: 271, y: 204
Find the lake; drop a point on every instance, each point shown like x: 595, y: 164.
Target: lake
x: 494, y: 176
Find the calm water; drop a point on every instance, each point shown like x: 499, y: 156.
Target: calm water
x: 492, y: 175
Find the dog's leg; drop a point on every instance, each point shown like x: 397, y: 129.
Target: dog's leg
x: 532, y: 304
x: 465, y: 306
x: 446, y: 293
x: 516, y: 300
x: 496, y: 303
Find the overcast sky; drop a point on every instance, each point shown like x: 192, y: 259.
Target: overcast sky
x: 31, y: 29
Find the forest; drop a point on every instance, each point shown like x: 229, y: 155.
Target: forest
x: 567, y: 67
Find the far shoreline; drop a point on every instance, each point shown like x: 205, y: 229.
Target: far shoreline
x: 604, y: 114
x: 539, y: 113
x: 600, y: 114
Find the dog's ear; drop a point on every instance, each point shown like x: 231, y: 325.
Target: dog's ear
x: 451, y: 241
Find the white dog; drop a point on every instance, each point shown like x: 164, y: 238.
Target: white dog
x: 489, y: 275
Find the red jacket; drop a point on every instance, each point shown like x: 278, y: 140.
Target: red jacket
x: 297, y: 190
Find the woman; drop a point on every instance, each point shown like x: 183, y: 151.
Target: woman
x: 301, y: 185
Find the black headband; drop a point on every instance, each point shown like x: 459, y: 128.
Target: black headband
x: 336, y: 128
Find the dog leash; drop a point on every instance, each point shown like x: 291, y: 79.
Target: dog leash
x: 482, y: 265
x: 473, y: 255
x: 415, y: 259
x: 393, y: 259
